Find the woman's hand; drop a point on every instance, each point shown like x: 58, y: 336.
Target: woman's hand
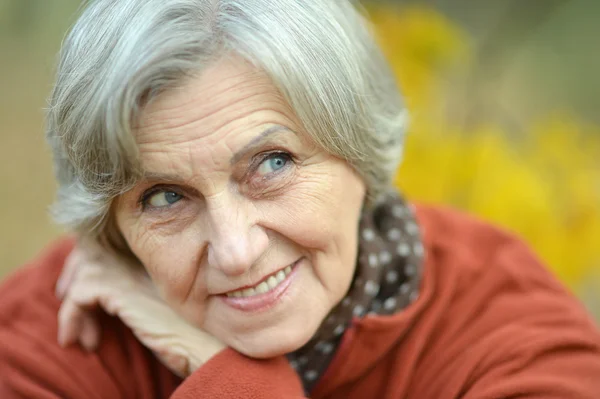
x: 94, y: 278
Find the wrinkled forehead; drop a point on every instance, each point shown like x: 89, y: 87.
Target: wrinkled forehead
x: 213, y: 120
x: 225, y: 95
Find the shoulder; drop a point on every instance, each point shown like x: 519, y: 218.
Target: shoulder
x: 476, y: 269
x: 27, y: 296
x: 490, y: 321
x: 477, y: 249
x: 32, y: 364
x: 498, y: 317
x: 445, y: 228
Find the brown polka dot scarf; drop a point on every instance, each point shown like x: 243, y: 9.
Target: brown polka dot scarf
x: 387, y: 278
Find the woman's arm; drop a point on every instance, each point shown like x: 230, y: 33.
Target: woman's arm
x: 33, y: 366
x: 232, y: 375
x: 94, y: 279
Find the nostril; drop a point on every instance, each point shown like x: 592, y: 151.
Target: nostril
x: 235, y: 241
x: 232, y: 258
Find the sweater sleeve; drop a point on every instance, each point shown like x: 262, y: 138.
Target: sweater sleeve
x: 232, y: 375
x: 33, y: 365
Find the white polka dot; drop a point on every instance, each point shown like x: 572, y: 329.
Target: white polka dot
x: 385, y: 257
x: 398, y: 211
x: 412, y: 228
x: 390, y: 303
x: 410, y: 270
x: 403, y: 249
x: 358, y: 310
x: 404, y: 288
x: 394, y: 234
x: 339, y: 330
x: 418, y: 249
x: 311, y: 375
x: 346, y: 301
x: 413, y: 296
x: 368, y: 234
x: 391, y: 276
x: 294, y: 364
x: 373, y: 261
x: 372, y: 288
x: 324, y: 347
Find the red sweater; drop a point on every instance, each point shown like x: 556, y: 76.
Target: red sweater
x: 490, y: 322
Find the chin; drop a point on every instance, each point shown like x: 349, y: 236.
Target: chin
x: 270, y: 344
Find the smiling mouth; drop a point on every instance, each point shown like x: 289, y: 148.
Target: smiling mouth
x: 269, y: 283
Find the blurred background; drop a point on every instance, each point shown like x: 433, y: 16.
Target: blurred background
x: 504, y: 123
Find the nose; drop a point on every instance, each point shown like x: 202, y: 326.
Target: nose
x: 235, y: 241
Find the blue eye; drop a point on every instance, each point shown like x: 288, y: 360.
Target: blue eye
x: 163, y: 199
x: 273, y: 163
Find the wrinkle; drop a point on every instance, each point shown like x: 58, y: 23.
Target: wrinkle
x: 162, y: 116
x: 195, y: 280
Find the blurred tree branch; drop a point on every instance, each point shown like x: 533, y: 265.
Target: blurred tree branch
x: 520, y: 21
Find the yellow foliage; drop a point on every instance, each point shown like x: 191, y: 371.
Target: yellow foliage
x: 421, y: 45
x: 544, y: 186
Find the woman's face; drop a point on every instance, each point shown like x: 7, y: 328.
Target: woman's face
x: 246, y: 227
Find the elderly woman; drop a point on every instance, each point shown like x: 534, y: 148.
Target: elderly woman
x: 227, y: 166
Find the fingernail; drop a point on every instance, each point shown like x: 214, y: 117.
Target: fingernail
x: 61, y: 338
x: 88, y: 344
x: 59, y: 290
x: 64, y: 338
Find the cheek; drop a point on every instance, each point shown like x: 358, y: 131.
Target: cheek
x: 171, y: 259
x: 322, y: 208
x: 320, y: 215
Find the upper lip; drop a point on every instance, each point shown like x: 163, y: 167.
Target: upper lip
x: 264, y: 278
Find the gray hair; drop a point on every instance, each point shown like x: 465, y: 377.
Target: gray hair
x: 121, y: 53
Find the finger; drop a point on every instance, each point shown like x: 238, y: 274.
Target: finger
x: 77, y: 320
x: 70, y: 317
x: 176, y: 363
x: 89, y: 338
x: 68, y: 273
x: 100, y: 292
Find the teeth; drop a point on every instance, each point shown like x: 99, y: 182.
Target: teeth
x: 280, y: 276
x: 267, y: 285
x: 262, y: 288
x: 272, y: 282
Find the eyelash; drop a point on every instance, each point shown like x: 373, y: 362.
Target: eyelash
x: 259, y: 160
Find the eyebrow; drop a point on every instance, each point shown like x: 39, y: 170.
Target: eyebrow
x: 257, y: 141
x: 153, y: 176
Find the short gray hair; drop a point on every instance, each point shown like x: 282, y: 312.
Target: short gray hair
x: 121, y: 53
